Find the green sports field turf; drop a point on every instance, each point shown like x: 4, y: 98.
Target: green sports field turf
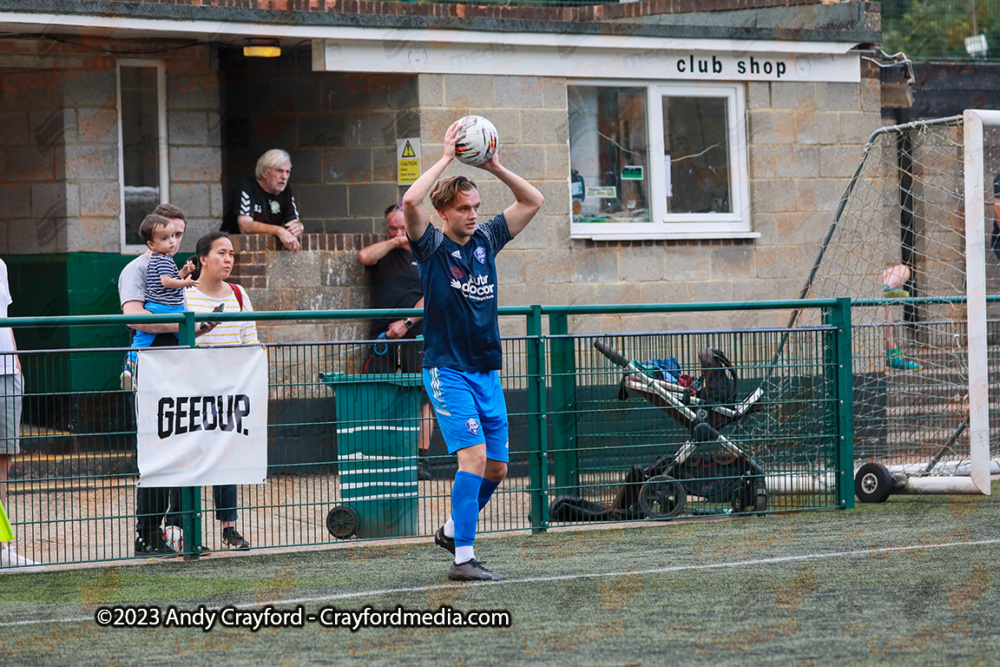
x: 907, y: 582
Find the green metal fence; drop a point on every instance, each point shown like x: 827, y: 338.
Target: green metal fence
x: 340, y: 441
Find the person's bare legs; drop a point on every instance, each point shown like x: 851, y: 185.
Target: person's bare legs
x: 894, y: 280
x: 426, y: 427
x: 424, y: 444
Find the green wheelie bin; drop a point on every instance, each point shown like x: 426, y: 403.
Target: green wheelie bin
x: 378, y: 430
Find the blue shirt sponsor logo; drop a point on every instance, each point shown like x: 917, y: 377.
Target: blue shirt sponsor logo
x: 461, y: 331
x: 478, y: 288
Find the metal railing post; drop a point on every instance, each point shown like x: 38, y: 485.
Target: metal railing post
x: 563, y: 377
x: 537, y: 418
x: 839, y: 316
x: 190, y: 496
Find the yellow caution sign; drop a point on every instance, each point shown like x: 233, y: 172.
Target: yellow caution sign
x: 408, y: 160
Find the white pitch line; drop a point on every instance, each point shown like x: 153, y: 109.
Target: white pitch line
x: 564, y: 577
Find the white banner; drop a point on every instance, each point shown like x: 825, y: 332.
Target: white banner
x: 202, y: 416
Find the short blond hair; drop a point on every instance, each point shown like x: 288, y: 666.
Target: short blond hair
x: 445, y: 190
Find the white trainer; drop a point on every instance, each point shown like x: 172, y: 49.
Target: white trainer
x: 11, y: 559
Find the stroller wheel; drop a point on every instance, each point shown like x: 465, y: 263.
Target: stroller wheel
x: 662, y: 497
x: 873, y: 483
x: 750, y: 496
x: 760, y: 502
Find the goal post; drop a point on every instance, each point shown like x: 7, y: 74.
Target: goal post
x: 974, y: 122
x: 908, y: 245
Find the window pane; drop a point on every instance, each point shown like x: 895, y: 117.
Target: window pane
x: 608, y: 154
x: 696, y: 146
x: 140, y: 147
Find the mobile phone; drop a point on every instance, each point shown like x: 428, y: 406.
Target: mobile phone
x: 218, y: 309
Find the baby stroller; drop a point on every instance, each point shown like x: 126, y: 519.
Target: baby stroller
x: 660, y: 490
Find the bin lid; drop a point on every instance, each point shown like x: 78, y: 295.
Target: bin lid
x: 399, y: 379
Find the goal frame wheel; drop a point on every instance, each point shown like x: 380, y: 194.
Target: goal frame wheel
x: 873, y: 483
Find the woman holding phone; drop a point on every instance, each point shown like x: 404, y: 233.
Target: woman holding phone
x: 213, y: 263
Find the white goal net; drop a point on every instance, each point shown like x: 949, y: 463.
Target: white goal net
x: 912, y: 246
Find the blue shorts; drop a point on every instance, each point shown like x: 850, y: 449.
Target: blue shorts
x: 470, y: 410
x: 143, y: 339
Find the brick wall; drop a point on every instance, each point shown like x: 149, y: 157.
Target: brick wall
x: 324, y: 275
x: 440, y: 11
x: 58, y: 137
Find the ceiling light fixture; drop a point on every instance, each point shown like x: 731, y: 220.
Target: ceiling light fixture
x: 257, y: 47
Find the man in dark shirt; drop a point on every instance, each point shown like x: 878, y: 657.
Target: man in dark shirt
x: 266, y: 204
x: 396, y: 284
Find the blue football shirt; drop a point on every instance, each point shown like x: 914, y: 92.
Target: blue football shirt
x: 461, y: 330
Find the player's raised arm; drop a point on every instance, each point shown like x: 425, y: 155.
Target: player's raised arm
x: 528, y: 199
x: 413, y: 208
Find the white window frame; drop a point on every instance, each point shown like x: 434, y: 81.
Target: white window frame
x: 161, y: 122
x: 665, y: 225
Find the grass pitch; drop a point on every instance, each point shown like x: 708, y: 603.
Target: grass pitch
x: 906, y: 582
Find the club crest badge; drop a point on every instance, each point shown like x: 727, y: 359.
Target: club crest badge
x: 473, y: 426
x: 480, y: 255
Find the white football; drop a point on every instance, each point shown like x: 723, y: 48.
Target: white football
x: 479, y: 143
x: 174, y: 537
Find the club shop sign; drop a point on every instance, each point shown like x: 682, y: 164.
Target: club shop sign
x: 582, y: 57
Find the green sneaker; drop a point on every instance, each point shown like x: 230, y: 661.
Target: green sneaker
x: 896, y: 360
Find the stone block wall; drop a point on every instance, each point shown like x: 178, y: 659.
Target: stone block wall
x: 339, y: 128
x: 804, y: 143
x: 59, y: 155
x: 805, y: 140
x: 59, y: 147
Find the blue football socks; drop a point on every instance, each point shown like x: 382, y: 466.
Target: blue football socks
x: 465, y: 507
x: 486, y: 490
